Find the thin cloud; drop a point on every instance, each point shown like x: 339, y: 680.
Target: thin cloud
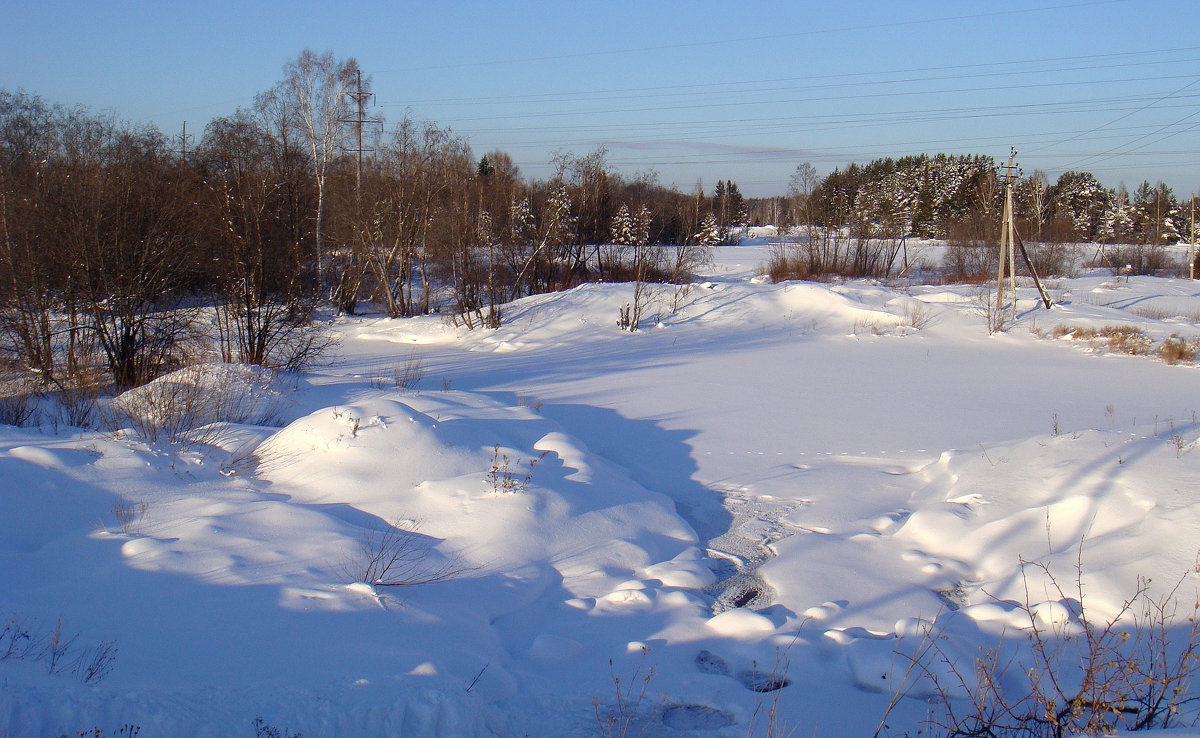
x: 709, y: 148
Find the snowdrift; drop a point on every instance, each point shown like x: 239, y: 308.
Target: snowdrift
x: 765, y: 497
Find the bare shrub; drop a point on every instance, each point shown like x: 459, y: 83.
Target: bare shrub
x: 186, y: 407
x: 999, y: 318
x: 277, y: 334
x: 625, y: 716
x: 399, y: 556
x: 476, y: 317
x: 128, y: 516
x: 969, y: 261
x: 1082, y: 675
x: 74, y: 401
x: 915, y: 314
x: 786, y: 262
x: 629, y: 315
x: 77, y: 406
x: 686, y: 259
x: 1055, y: 259
x: 406, y: 376
x: 20, y: 394
x: 505, y: 476
x: 1136, y: 259
x: 56, y: 651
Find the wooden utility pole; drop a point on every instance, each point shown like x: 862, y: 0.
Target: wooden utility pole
x: 1010, y: 241
x: 1007, y: 245
x: 360, y: 99
x: 1192, y: 242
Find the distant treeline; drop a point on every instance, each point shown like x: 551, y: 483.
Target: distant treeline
x: 961, y: 198
x: 112, y: 234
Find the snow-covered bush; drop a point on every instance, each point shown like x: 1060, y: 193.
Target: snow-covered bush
x: 184, y: 407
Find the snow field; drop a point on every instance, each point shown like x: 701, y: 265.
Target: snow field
x: 766, y: 483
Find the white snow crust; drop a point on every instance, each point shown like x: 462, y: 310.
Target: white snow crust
x: 766, y: 480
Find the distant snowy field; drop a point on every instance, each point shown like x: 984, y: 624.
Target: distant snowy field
x: 764, y: 483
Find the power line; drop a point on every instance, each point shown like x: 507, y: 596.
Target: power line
x: 1054, y: 65
x: 756, y: 39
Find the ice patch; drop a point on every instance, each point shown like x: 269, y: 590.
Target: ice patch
x: 695, y: 717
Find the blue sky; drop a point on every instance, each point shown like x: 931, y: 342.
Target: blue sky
x: 694, y: 91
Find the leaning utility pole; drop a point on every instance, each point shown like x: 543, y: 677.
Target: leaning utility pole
x: 360, y: 99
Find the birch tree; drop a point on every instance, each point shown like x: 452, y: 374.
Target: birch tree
x: 313, y: 90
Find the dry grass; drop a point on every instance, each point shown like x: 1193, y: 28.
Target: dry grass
x: 1122, y: 339
x: 1127, y: 339
x: 1152, y: 313
x: 1177, y: 349
x: 866, y: 326
x: 1155, y: 313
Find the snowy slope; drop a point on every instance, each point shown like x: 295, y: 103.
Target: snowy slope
x: 765, y: 482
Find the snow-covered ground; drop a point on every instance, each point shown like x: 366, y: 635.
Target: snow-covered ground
x: 764, y: 483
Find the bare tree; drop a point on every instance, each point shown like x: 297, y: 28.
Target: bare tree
x: 313, y: 92
x: 262, y: 314
x: 125, y: 218
x: 29, y: 283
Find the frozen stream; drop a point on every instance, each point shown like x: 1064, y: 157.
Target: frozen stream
x: 757, y: 522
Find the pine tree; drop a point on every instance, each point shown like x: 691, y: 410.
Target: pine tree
x: 622, y: 227
x: 558, y: 224
x: 640, y: 227
x: 718, y: 207
x: 736, y: 206
x: 710, y: 231
x: 1081, y: 200
x: 521, y: 223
